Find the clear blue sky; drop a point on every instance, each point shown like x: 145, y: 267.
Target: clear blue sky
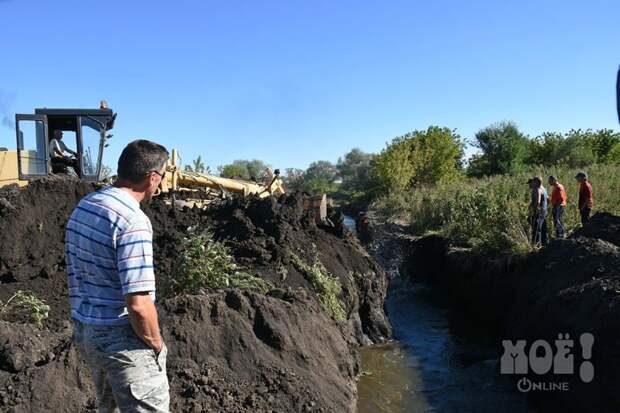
x: 290, y: 82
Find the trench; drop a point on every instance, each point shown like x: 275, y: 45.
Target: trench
x: 439, y: 361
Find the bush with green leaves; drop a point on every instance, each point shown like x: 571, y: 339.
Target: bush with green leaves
x: 555, y: 149
x: 25, y: 305
x: 326, y: 286
x: 503, y: 148
x: 206, y: 264
x: 421, y: 157
x: 319, y: 178
x: 244, y: 169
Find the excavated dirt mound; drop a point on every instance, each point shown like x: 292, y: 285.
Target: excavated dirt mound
x: 572, y: 286
x: 230, y: 351
x: 265, y: 234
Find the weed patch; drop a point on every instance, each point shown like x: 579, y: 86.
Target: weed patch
x: 24, y: 305
x: 326, y: 286
x: 207, y: 264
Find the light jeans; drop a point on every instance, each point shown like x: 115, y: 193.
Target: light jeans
x: 128, y: 375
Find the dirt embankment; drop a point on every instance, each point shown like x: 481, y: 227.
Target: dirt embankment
x: 230, y: 351
x: 572, y: 286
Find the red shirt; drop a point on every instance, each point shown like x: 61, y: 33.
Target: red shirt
x: 585, y: 195
x: 558, y: 195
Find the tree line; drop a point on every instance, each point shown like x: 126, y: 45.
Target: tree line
x: 437, y: 155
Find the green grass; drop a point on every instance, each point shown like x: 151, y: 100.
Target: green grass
x: 490, y: 214
x: 206, y: 264
x: 326, y: 286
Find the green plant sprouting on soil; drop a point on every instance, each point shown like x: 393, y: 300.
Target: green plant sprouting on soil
x: 207, y: 264
x: 326, y: 286
x: 25, y: 304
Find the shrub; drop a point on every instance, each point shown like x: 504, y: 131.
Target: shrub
x: 613, y: 158
x: 420, y: 157
x: 503, y: 148
x: 555, y: 149
x: 25, y: 305
x: 207, y: 264
x: 326, y: 286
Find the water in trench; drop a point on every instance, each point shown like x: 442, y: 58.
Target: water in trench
x: 438, y: 361
x: 431, y: 366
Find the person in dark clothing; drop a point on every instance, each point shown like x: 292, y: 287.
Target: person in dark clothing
x: 538, y: 212
x: 586, y: 199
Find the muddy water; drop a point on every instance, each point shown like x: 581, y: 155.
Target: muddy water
x: 438, y: 362
x: 433, y: 366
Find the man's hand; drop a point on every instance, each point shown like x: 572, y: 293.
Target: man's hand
x: 143, y: 318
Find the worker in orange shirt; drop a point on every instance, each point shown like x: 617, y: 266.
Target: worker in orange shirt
x: 558, y: 204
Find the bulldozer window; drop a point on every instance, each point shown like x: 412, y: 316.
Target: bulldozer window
x: 91, y: 138
x: 32, y: 146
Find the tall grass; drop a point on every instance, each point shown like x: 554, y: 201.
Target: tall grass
x: 490, y: 214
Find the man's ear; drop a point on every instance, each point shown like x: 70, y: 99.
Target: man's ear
x: 153, y: 177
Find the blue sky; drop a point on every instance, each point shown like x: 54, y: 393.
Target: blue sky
x: 291, y: 82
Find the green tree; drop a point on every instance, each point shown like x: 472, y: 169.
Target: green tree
x: 199, y: 166
x: 320, y: 177
x: 245, y: 169
x: 354, y: 172
x: 556, y: 149
x: 294, y: 179
x: 601, y: 141
x: 257, y: 169
x: 503, y: 149
x: 613, y: 157
x: 437, y: 156
x: 393, y: 168
x: 234, y: 170
x: 420, y: 157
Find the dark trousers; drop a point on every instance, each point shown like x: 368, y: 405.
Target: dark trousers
x: 585, y: 214
x: 540, y: 233
x: 557, y: 213
x: 61, y: 164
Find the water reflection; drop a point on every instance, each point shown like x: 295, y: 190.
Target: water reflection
x: 432, y: 367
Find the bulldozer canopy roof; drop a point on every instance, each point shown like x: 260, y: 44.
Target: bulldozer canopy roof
x: 74, y: 112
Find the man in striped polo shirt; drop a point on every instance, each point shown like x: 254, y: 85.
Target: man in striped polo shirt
x: 111, y: 282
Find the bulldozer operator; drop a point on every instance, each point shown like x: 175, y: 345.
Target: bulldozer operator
x: 61, y: 156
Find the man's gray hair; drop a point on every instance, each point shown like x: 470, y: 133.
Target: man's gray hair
x: 139, y: 158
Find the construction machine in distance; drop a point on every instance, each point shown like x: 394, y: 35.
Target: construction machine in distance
x: 87, y: 130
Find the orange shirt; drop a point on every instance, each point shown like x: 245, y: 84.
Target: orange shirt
x: 558, y: 196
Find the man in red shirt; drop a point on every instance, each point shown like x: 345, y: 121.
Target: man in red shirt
x: 558, y: 203
x: 585, y: 197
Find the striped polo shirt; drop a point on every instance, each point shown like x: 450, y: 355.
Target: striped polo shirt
x: 109, y: 253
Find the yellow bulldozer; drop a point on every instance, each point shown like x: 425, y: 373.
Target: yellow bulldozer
x: 87, y: 130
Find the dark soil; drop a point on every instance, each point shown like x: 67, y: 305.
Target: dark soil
x: 230, y: 351
x: 572, y: 286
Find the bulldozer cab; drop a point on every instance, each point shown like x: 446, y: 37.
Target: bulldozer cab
x: 84, y: 132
